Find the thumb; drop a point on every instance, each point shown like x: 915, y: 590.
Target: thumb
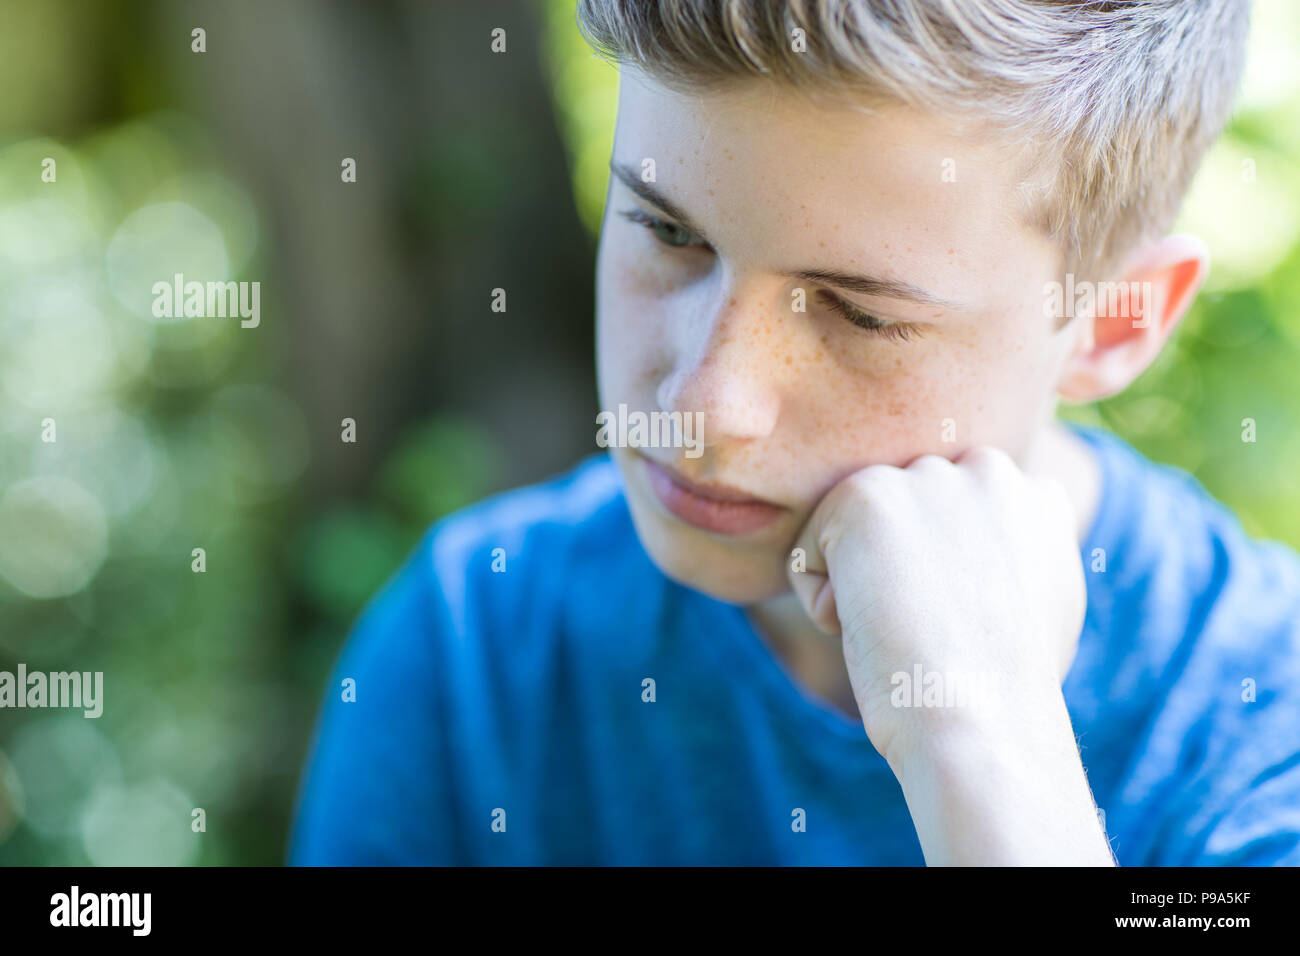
x: 812, y: 585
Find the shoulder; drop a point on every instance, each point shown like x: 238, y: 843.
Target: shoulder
x: 440, y: 665
x: 1171, y: 565
x: 1190, y: 663
x: 512, y: 538
x: 1161, y: 537
x: 510, y: 563
x: 561, y: 508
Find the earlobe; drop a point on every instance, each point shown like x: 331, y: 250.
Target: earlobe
x: 1129, y: 321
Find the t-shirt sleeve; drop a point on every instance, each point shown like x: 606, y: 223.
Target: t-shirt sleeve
x: 375, y: 791
x: 1252, y: 818
x: 1261, y: 826
x: 1241, y: 805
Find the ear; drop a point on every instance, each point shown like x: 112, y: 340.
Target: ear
x: 1127, y: 323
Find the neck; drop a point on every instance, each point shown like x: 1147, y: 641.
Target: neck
x: 1058, y: 453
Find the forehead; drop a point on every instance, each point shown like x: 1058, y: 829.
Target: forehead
x: 775, y: 176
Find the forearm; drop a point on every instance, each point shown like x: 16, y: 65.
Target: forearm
x: 985, y: 792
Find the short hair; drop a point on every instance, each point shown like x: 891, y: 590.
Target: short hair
x: 1115, y: 100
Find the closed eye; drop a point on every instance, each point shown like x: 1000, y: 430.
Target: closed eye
x: 678, y: 237
x: 899, y: 331
x: 665, y: 231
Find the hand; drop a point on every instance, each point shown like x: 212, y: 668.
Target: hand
x: 969, y: 569
x: 964, y: 572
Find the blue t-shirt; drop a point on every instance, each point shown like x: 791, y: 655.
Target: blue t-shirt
x: 499, y: 715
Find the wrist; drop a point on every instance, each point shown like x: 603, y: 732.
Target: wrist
x: 996, y: 793
x: 1022, y: 720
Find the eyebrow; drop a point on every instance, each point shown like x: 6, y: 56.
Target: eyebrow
x: 654, y: 197
x: 862, y: 285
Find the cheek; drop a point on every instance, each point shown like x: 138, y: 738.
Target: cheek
x: 635, y: 266
x: 858, y: 402
x: 629, y: 333
x: 996, y: 384
x: 940, y: 395
x: 645, y: 303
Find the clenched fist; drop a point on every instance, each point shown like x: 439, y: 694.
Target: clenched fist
x: 965, y: 575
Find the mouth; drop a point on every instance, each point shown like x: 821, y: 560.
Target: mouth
x: 716, y: 508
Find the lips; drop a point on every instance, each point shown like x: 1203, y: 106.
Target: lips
x: 714, y: 508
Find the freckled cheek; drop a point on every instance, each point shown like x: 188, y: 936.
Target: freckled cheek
x: 998, y: 383
x: 871, y: 409
x: 897, y: 401
x: 909, y: 412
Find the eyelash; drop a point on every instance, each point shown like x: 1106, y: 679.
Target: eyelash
x: 898, y: 331
x: 652, y: 222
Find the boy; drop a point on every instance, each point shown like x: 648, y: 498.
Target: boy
x: 883, y: 608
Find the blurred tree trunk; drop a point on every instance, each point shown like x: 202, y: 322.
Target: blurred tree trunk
x: 383, y: 287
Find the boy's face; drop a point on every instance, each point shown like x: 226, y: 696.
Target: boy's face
x: 793, y: 401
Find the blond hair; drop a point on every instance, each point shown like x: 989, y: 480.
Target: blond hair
x: 1117, y: 100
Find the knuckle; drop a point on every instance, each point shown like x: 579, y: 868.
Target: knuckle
x: 931, y: 461
x: 995, y: 468
x: 868, y: 482
x: 989, y: 457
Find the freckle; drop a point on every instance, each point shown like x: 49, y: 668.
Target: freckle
x: 787, y: 360
x: 950, y: 252
x: 822, y: 244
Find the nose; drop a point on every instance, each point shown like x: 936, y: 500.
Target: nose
x: 723, y: 372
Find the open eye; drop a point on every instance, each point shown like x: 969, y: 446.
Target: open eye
x: 669, y: 233
x: 901, y: 331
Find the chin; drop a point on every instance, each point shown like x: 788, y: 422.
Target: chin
x: 694, y: 559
